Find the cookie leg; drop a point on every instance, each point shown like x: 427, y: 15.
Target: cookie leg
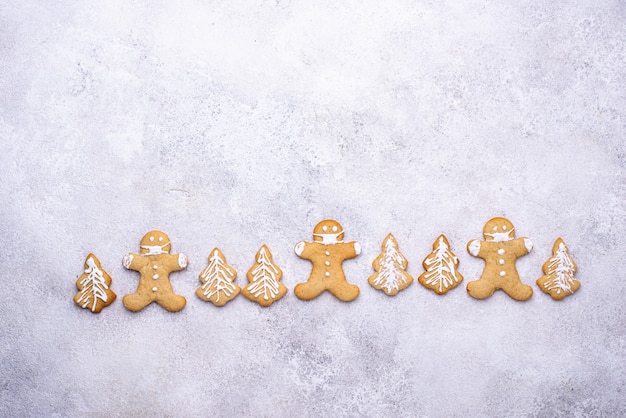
x: 136, y: 301
x: 345, y: 291
x: 480, y: 289
x: 518, y: 290
x: 172, y: 302
x: 309, y: 290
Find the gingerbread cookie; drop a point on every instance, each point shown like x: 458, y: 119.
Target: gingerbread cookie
x: 264, y: 276
x: 218, y: 280
x: 500, y: 249
x: 441, y: 265
x: 558, y: 280
x: 94, y: 285
x: 327, y: 252
x: 154, y: 264
x: 390, y: 265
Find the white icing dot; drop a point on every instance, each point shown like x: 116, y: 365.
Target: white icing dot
x: 327, y: 253
x: 155, y: 267
x: 495, y: 228
x: 151, y: 239
x: 156, y: 276
x: 501, y: 251
x: 501, y: 261
x: 324, y: 228
x: 504, y: 227
x: 154, y: 289
x: 327, y: 263
x: 503, y: 273
x: 327, y: 274
x: 160, y: 239
x: 335, y: 228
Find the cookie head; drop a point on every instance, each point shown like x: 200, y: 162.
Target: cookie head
x: 155, y: 242
x: 328, y: 232
x: 499, y: 230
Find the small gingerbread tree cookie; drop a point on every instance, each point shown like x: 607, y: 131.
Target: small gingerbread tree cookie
x: 441, y: 268
x: 218, y: 280
x: 94, y: 285
x: 558, y: 280
x: 390, y: 265
x: 264, y: 276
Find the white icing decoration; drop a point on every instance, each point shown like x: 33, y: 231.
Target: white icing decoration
x: 391, y: 275
x: 154, y: 289
x: 503, y: 273
x: 264, y: 278
x: 501, y: 236
x: 94, y: 286
x: 155, y: 249
x: 474, y: 247
x: 182, y: 260
x: 156, y: 276
x: 528, y: 244
x: 561, y: 270
x: 127, y: 260
x: 329, y: 239
x: 218, y: 278
x: 501, y: 251
x: 441, y: 266
x: 300, y: 248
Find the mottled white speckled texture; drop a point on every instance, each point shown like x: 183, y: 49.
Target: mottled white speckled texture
x: 239, y: 123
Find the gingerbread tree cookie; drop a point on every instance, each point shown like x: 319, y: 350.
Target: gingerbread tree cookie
x: 154, y: 264
x: 390, y: 265
x: 218, y: 280
x: 94, y: 285
x: 500, y: 250
x: 264, y: 276
x: 327, y: 252
x: 441, y: 268
x: 558, y: 280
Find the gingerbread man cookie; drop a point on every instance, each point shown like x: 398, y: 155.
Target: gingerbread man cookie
x: 327, y: 252
x: 500, y: 249
x: 154, y: 264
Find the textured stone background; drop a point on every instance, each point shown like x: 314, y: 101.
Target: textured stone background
x: 237, y: 123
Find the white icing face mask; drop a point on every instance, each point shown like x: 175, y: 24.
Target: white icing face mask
x: 155, y: 249
x: 500, y: 236
x: 328, y: 239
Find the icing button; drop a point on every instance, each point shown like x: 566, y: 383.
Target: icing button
x: 154, y: 289
x: 501, y: 261
x: 501, y: 251
x: 155, y: 267
x: 327, y: 253
x: 156, y: 276
x: 327, y: 274
x: 327, y: 263
x: 503, y: 273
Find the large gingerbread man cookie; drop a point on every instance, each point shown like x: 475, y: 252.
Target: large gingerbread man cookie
x: 500, y: 249
x: 154, y: 264
x: 327, y: 252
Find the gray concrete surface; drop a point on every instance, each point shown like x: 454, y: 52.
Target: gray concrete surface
x: 236, y: 124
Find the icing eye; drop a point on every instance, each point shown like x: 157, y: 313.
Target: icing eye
x: 160, y: 239
x: 335, y: 228
x: 151, y: 239
x: 504, y: 227
x: 495, y: 228
x: 324, y: 228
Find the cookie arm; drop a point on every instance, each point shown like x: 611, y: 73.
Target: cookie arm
x: 474, y: 247
x: 177, y: 262
x: 523, y: 246
x: 131, y: 261
x: 302, y: 250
